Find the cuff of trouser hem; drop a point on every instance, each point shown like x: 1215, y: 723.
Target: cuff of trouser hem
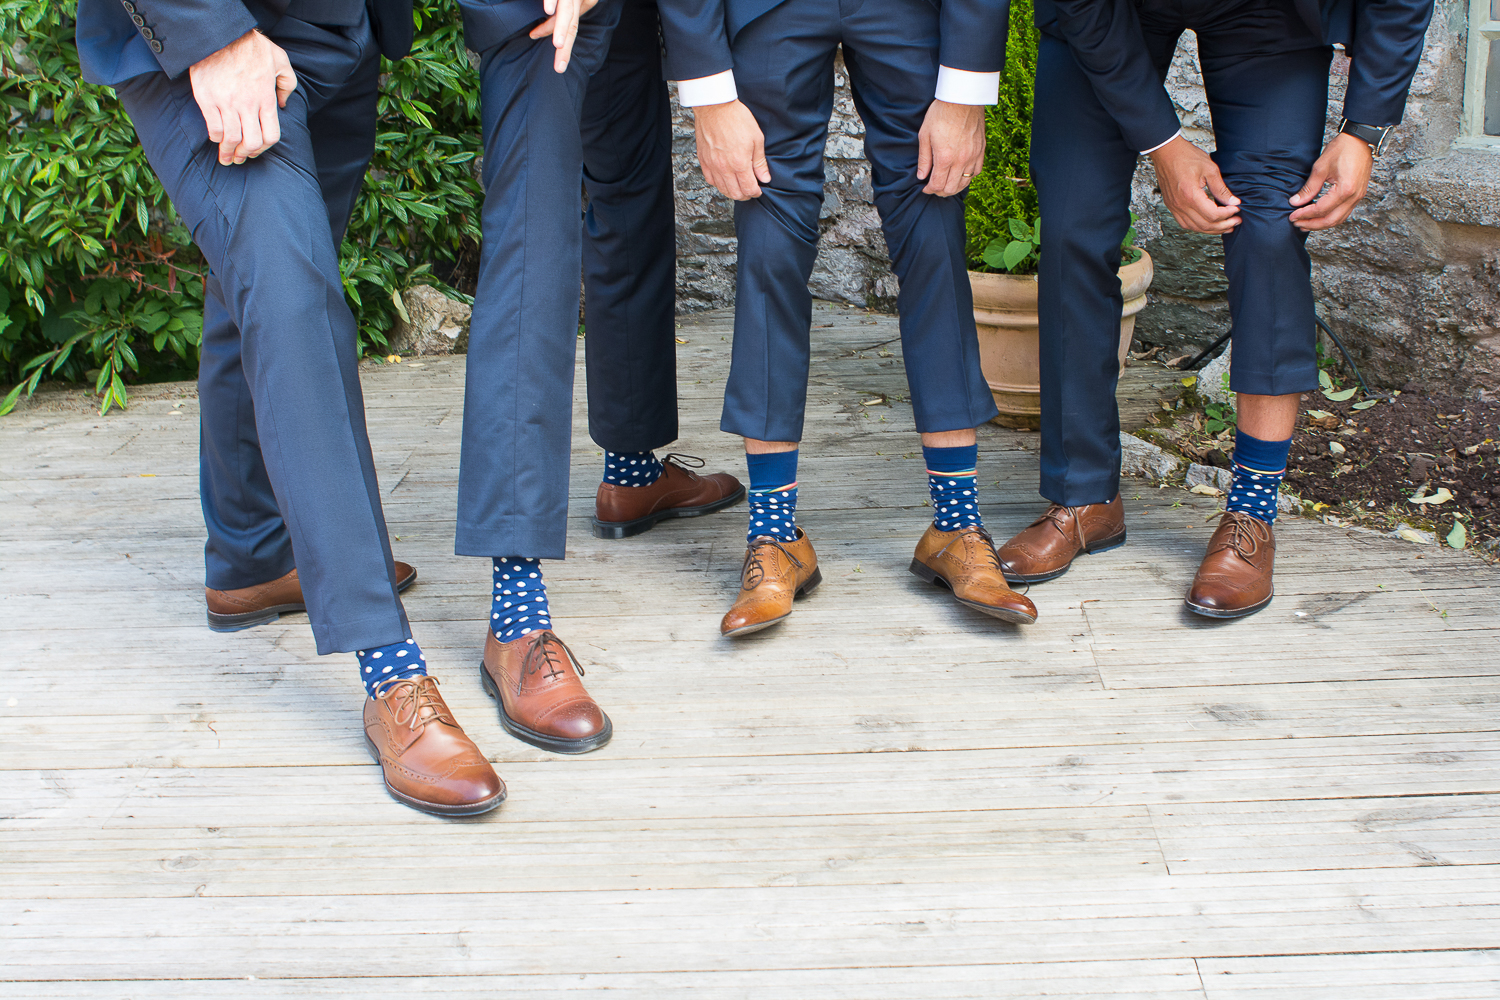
x: 361, y: 633
x: 962, y: 86
x: 521, y: 538
x: 716, y: 89
x: 1080, y: 494
x: 1272, y: 384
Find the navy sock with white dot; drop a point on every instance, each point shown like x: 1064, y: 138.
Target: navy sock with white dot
x: 384, y: 663
x: 631, y: 468
x: 1259, y: 467
x: 520, y: 603
x: 950, y: 478
x: 773, y: 495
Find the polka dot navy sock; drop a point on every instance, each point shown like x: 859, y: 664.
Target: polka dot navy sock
x: 520, y: 603
x: 773, y: 495
x: 384, y: 663
x: 950, y: 477
x: 1259, y: 467
x: 631, y: 468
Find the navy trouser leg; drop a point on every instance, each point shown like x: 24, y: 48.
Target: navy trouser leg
x: 518, y: 395
x: 783, y: 67
x: 1269, y: 109
x: 893, y: 74
x: 629, y: 246
x: 263, y: 227
x: 1082, y: 166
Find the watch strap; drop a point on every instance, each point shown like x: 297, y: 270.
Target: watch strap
x: 1373, y: 136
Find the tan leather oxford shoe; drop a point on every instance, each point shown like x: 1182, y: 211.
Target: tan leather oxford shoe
x: 232, y: 610
x: 773, y: 575
x: 1234, y: 578
x: 536, y: 682
x: 428, y: 761
x: 965, y: 562
x: 1046, y: 549
x: 622, y: 511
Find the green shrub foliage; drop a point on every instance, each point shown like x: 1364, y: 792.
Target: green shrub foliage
x: 98, y: 277
x: 1003, y: 190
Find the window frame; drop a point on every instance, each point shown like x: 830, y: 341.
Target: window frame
x: 1482, y: 31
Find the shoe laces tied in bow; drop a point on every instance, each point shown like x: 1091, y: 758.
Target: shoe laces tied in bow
x: 541, y: 655
x: 754, y: 570
x: 415, y: 701
x: 1245, y: 536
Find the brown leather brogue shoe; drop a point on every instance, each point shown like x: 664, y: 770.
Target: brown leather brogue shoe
x: 428, y: 761
x: 1046, y: 549
x: 774, y: 574
x: 232, y: 610
x: 622, y: 511
x: 1234, y: 578
x: 965, y: 562
x: 535, y: 681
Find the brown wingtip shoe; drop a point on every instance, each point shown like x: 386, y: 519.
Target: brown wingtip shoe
x: 232, y: 610
x: 965, y: 562
x: 535, y: 681
x: 773, y: 575
x: 428, y: 761
x: 1046, y: 549
x: 622, y: 511
x: 1234, y: 579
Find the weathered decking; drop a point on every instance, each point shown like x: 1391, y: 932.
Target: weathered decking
x: 890, y: 796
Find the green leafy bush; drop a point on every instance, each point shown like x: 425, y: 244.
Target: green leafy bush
x: 98, y: 277
x: 1002, y: 191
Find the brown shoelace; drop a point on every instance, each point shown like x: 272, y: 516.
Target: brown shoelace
x: 1245, y: 536
x: 1057, y: 512
x: 754, y: 571
x: 683, y: 461
x: 540, y: 655
x: 982, y: 532
x: 415, y: 701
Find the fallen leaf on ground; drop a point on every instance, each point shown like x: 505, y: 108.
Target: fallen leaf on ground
x: 683, y: 340
x: 1190, y: 381
x: 1336, y: 448
x: 1203, y: 489
x: 1411, y: 536
x: 1441, y: 496
x: 1365, y: 405
x: 1318, y: 414
x: 1341, y: 395
x: 1458, y: 537
x: 1177, y: 362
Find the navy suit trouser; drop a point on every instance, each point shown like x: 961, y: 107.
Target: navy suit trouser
x: 784, y: 70
x: 629, y: 246
x: 286, y: 473
x: 523, y: 336
x: 1266, y: 77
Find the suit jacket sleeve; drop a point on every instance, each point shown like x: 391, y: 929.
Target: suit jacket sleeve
x: 973, y: 35
x: 185, y: 31
x: 695, y: 38
x: 1388, y: 37
x: 1106, y: 39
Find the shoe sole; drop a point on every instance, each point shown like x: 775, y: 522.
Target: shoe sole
x: 625, y: 529
x: 436, y: 808
x: 1199, y: 609
x: 1113, y: 542
x: 808, y: 586
x: 250, y: 619
x: 556, y: 744
x: 925, y: 572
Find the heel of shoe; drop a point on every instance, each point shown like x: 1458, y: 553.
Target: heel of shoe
x: 234, y: 623
x: 926, y: 572
x: 811, y: 584
x: 1113, y: 542
x: 488, y: 682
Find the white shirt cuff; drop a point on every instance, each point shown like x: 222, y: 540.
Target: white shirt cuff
x: 1159, y: 145
x: 961, y: 86
x: 716, y: 89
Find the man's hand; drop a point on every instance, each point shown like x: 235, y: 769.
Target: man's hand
x: 731, y: 149
x: 1193, y: 188
x: 1345, y: 164
x: 566, y: 13
x: 238, y: 89
x: 950, y: 147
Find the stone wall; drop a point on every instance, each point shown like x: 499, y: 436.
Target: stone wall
x: 1411, y: 282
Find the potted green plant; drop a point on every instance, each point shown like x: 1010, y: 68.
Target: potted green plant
x: 1004, y: 238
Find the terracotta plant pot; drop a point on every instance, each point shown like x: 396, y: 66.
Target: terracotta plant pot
x: 1005, y: 313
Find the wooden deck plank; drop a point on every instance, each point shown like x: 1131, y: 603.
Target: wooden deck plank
x: 888, y: 797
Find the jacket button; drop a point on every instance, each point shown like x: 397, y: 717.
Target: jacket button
x: 129, y: 7
x: 140, y: 22
x: 156, y: 46
x: 147, y: 34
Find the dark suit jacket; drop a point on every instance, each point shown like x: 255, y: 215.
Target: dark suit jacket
x: 1383, y: 37
x: 119, y: 39
x: 490, y: 22
x: 698, y: 33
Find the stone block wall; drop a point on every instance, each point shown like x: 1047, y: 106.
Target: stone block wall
x: 1411, y: 281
